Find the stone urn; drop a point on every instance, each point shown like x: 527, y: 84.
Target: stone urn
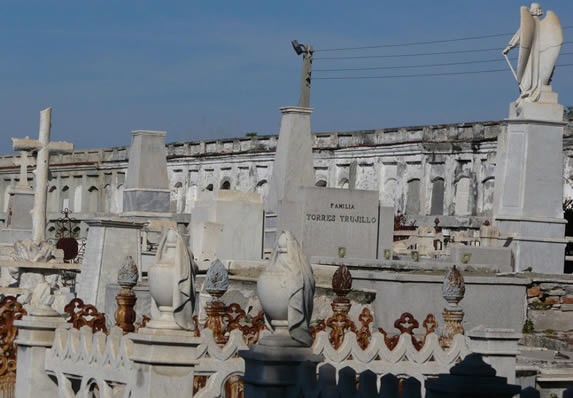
x: 162, y: 281
x: 275, y: 287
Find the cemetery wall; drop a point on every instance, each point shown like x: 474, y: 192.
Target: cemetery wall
x: 426, y: 171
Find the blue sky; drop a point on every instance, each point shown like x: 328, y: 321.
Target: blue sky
x: 214, y: 69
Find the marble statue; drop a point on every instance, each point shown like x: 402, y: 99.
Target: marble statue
x: 539, y: 43
x: 286, y: 289
x: 172, y: 284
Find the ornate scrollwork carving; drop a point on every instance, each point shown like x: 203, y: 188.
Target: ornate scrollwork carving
x: 10, y: 311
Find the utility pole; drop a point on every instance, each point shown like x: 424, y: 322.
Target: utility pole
x: 306, y: 50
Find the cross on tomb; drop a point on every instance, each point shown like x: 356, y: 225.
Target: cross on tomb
x: 23, y: 161
x: 44, y: 149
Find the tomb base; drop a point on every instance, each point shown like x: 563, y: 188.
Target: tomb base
x: 528, y: 203
x: 272, y: 371
x: 536, y: 242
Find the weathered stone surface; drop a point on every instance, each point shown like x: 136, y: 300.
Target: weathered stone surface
x: 219, y: 218
x: 568, y: 299
x: 551, y: 320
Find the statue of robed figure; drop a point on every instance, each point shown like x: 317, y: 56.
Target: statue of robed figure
x: 539, y: 43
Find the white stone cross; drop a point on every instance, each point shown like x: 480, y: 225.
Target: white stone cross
x: 45, y: 148
x: 23, y: 161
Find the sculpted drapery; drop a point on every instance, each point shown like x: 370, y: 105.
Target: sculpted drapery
x: 289, y: 258
x: 173, y: 249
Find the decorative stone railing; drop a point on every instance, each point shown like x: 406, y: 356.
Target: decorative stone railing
x: 92, y: 361
x: 82, y: 361
x: 404, y: 358
x: 88, y: 360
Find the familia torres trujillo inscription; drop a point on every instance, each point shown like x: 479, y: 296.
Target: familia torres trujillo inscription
x: 340, y: 218
x: 343, y: 218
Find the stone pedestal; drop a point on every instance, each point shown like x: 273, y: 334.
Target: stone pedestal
x: 529, y: 188
x: 109, y: 242
x: 147, y: 183
x: 165, y: 361
x: 498, y: 347
x: 272, y: 370
x: 35, y: 336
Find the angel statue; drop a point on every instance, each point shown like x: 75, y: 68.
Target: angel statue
x: 539, y: 43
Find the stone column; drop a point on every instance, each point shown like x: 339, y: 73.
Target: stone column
x: 293, y: 168
x: 35, y: 336
x: 528, y: 184
x: 498, y: 348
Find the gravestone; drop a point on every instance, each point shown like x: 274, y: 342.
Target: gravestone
x: 335, y: 222
x: 147, y: 184
x: 227, y: 225
x: 109, y: 241
x: 329, y: 222
x: 20, y: 205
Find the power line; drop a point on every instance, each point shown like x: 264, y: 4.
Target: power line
x: 416, y: 54
x: 409, y: 55
x: 419, y: 75
x: 418, y: 66
x: 410, y: 66
x: 415, y: 43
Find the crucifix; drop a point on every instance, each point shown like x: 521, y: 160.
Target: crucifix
x: 44, y: 149
x: 23, y: 161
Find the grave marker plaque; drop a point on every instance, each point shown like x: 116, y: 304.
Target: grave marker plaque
x: 339, y: 222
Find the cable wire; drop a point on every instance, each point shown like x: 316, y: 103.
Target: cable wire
x: 415, y: 43
x: 419, y: 75
x: 415, y: 54
x: 420, y: 66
